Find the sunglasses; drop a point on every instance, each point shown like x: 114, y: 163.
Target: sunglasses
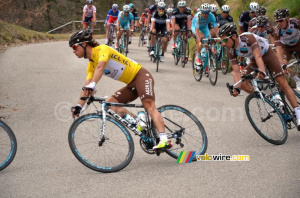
x: 76, y: 45
x: 226, y: 12
x: 252, y: 12
x: 260, y: 26
x: 280, y: 21
x: 204, y: 12
x: 225, y: 40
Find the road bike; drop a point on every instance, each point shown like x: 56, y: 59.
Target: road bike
x: 157, y: 50
x: 101, y: 141
x: 209, y: 59
x: 142, y: 37
x: 123, y: 46
x: 111, y: 34
x: 8, y: 145
x: 222, y: 58
x: 182, y: 50
x: 269, y: 115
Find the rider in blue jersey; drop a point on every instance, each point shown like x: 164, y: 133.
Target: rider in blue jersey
x: 125, y: 18
x: 200, y: 23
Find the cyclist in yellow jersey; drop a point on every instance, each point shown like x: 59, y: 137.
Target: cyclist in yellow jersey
x: 104, y: 60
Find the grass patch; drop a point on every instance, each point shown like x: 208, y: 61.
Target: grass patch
x: 11, y: 35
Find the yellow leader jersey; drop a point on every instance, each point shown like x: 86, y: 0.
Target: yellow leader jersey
x: 118, y: 66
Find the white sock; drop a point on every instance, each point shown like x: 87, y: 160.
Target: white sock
x: 106, y: 40
x: 163, y: 136
x: 297, y: 112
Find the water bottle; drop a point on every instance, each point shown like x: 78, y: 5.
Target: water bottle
x: 142, y: 124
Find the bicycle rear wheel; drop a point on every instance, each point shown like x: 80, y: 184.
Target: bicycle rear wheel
x: 185, y: 131
x: 197, y: 71
x: 270, y: 126
x: 213, y: 71
x: 8, y: 145
x: 113, y: 155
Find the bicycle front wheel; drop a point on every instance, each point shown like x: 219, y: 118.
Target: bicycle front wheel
x: 186, y: 54
x: 113, y: 155
x: 158, y: 53
x: 213, y: 71
x: 197, y: 71
x: 8, y: 145
x: 270, y: 126
x: 224, y: 63
x: 185, y: 130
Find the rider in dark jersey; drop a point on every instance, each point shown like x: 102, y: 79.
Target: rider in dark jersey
x: 181, y: 20
x: 224, y: 17
x: 160, y: 22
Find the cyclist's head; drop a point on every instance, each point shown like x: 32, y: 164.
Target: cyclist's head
x: 161, y: 6
x: 89, y: 2
x: 261, y: 21
x: 115, y: 6
x: 147, y: 10
x: 253, y: 6
x: 126, y: 8
x: 131, y: 5
x: 80, y: 37
x: 157, y: 1
x: 169, y: 10
x: 225, y: 9
x: 281, y: 14
x: 181, y: 4
x: 261, y: 11
x: 213, y: 8
x: 227, y: 29
x: 204, y: 8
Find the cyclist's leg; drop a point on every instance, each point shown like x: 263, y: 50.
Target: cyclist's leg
x: 107, y: 32
x: 273, y: 64
x: 152, y: 40
x: 85, y: 22
x: 176, y: 27
x: 144, y: 84
x: 123, y: 95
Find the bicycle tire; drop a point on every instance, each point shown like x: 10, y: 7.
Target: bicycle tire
x: 141, y: 40
x: 191, y: 124
x: 158, y: 49
x: 197, y: 73
x: 253, y: 113
x: 224, y: 61
x: 186, y: 54
x: 84, y: 143
x: 213, y: 71
x: 8, y: 145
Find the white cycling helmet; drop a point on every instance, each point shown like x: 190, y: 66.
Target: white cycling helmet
x: 169, y: 10
x: 161, y: 5
x: 89, y: 2
x: 253, y: 6
x: 181, y: 4
x: 213, y: 8
x: 157, y: 1
x: 225, y: 8
x: 114, y: 6
x: 204, y: 7
x: 126, y: 8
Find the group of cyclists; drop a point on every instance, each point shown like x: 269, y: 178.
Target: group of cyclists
x: 247, y: 40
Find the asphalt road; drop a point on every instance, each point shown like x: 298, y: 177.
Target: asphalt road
x: 39, y: 83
